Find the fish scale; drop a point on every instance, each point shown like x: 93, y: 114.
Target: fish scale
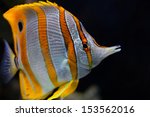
x: 54, y: 50
x: 34, y: 51
x: 56, y: 43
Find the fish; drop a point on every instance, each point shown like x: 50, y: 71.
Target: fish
x: 52, y: 51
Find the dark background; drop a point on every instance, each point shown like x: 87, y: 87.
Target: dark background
x: 125, y: 75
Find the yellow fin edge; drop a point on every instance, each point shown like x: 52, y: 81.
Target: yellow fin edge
x: 65, y: 90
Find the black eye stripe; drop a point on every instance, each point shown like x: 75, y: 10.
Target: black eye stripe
x: 20, y: 26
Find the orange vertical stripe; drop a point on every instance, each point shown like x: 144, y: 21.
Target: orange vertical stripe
x: 84, y: 41
x: 42, y: 26
x: 69, y: 44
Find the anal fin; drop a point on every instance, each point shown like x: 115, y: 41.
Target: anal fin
x: 65, y: 90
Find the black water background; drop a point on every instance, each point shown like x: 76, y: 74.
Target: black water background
x: 125, y: 75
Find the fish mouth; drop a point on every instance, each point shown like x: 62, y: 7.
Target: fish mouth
x: 112, y: 50
x: 116, y: 48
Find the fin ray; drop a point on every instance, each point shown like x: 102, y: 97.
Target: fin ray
x: 8, y: 66
x: 65, y: 90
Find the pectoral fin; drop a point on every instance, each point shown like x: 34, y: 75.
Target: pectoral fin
x: 65, y: 90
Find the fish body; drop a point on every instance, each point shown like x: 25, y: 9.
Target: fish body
x: 52, y: 50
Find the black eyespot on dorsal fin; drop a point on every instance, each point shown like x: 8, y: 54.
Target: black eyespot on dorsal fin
x: 85, y: 45
x: 20, y: 26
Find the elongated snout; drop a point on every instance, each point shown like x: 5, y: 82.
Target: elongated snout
x: 101, y: 53
x: 105, y: 52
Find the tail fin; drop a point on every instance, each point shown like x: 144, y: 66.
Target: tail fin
x: 7, y: 65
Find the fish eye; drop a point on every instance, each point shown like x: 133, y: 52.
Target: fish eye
x: 20, y: 26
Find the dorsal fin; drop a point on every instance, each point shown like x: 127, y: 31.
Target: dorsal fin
x: 10, y: 13
x: 7, y: 65
x: 40, y: 3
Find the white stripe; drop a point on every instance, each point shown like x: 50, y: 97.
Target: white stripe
x: 35, y: 57
x: 56, y: 43
x: 77, y: 44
